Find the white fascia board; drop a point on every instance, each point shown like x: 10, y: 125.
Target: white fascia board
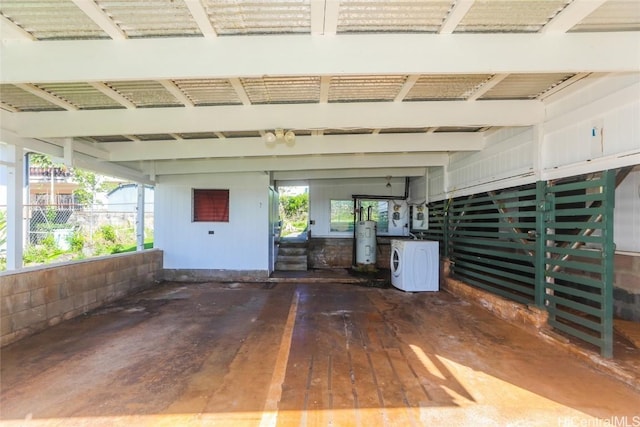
x: 295, y: 55
x: 304, y: 145
x: 619, y: 160
x: 374, y: 115
x: 300, y: 163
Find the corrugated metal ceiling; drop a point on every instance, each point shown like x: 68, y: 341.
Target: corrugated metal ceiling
x: 372, y: 16
x: 508, y: 16
x: 51, y: 19
x: 277, y: 90
x: 151, y: 18
x: 62, y: 19
x: 614, y: 15
x: 234, y: 17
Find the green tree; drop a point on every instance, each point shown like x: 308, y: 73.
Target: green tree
x: 294, y: 211
x: 88, y: 185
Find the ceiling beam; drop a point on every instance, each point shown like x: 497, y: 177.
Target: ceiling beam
x: 325, y: 84
x: 373, y: 115
x: 304, y: 145
x: 347, y: 173
x: 299, y: 163
x: 10, y: 30
x: 111, y: 169
x: 172, y: 88
x: 406, y: 87
x: 372, y: 54
x: 100, y: 17
x: 113, y: 94
x: 201, y: 17
x: 571, y: 15
x: 242, y: 94
x: 41, y: 93
x: 459, y: 10
x: 487, y: 86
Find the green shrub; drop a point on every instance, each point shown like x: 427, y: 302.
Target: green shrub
x: 108, y: 233
x: 77, y: 241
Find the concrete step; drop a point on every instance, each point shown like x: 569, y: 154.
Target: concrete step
x: 291, y: 266
x: 292, y: 258
x: 292, y: 251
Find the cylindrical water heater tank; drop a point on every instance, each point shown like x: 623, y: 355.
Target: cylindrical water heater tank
x: 365, y: 242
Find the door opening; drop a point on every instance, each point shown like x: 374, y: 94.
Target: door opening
x: 294, y: 212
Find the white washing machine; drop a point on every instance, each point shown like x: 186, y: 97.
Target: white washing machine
x: 415, y: 265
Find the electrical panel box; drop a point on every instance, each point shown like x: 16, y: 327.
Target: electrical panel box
x: 419, y: 217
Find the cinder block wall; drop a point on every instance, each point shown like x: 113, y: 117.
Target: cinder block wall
x: 338, y: 253
x: 36, y: 298
x: 626, y: 291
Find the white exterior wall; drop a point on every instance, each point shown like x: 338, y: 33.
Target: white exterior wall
x: 626, y: 227
x: 417, y: 190
x: 596, y: 128
x: 508, y: 155
x: 240, y: 244
x: 435, y: 183
x: 321, y: 192
x: 125, y: 199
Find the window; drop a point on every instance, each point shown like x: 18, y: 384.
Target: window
x: 210, y: 205
x: 342, y: 214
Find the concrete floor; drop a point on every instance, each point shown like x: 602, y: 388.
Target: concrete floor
x: 300, y: 355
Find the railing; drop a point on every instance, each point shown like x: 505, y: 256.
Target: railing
x: 55, y: 233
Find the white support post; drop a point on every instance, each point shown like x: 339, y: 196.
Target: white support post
x: 538, y: 153
x: 140, y: 218
x: 67, y: 150
x: 15, y: 208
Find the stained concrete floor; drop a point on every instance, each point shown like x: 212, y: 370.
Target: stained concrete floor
x: 300, y: 355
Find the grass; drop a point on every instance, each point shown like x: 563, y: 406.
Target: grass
x: 147, y: 245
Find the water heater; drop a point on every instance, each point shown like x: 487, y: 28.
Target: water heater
x: 366, y: 242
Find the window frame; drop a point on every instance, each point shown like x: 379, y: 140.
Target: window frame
x: 217, y: 195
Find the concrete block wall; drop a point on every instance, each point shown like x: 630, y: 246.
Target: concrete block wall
x: 338, y: 253
x: 36, y: 298
x: 626, y: 291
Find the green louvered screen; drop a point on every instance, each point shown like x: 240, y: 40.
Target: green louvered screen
x: 492, y: 242
x: 579, y: 265
x: 548, y: 244
x: 437, y: 225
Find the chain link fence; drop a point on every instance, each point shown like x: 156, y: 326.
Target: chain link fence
x: 66, y: 231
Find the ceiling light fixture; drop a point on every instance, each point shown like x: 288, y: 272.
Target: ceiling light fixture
x: 279, y: 135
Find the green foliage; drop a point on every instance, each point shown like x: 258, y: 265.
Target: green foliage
x: 41, y: 160
x: 77, y: 241
x: 294, y: 212
x: 108, y: 233
x: 3, y: 228
x: 43, y: 252
x: 295, y: 205
x: 88, y: 185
